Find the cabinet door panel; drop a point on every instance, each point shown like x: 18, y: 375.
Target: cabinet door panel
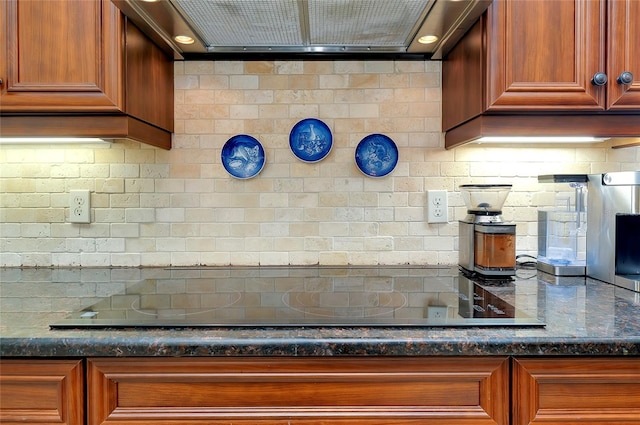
x: 41, y: 391
x: 69, y: 40
x: 576, y: 391
x: 549, y: 66
x: 624, y: 53
x: 299, y: 391
x: 61, y: 55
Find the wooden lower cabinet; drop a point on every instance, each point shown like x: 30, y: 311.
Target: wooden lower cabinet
x: 41, y: 392
x: 264, y: 390
x: 472, y: 390
x: 576, y: 391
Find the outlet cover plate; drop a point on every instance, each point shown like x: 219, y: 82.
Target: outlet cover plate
x: 437, y: 206
x: 437, y: 312
x: 79, y: 206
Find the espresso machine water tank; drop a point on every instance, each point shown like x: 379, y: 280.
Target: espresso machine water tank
x: 562, y: 228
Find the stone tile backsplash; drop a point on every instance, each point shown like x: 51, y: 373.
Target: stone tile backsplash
x: 152, y: 207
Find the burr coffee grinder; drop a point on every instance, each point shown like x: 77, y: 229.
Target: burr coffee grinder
x: 487, y: 244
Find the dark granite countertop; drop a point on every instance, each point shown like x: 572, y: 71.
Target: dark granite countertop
x: 582, y: 316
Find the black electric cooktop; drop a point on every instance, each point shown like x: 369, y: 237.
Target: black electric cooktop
x: 306, y: 296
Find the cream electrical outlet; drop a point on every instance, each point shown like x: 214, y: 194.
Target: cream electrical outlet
x: 437, y: 206
x: 79, y: 206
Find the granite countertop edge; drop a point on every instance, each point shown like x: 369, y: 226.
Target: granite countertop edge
x: 304, y: 347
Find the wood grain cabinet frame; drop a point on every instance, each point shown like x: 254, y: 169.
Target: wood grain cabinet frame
x: 575, y: 391
x: 527, y: 67
x: 460, y: 391
x: 80, y: 68
x: 41, y: 392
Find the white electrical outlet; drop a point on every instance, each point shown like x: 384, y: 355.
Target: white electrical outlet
x: 437, y: 206
x: 437, y: 312
x: 79, y: 206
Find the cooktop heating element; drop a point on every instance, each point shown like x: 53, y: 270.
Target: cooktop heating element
x: 306, y: 296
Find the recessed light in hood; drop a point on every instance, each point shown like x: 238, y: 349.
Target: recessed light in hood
x: 184, y: 39
x: 305, y: 26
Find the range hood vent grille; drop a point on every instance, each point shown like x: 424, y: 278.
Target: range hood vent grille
x: 245, y: 23
x: 305, y: 26
x: 362, y: 22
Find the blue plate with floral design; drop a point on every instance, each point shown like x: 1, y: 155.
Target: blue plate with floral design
x: 310, y: 140
x: 376, y: 155
x: 243, y: 156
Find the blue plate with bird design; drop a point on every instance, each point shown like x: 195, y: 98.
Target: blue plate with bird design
x: 376, y: 155
x: 310, y: 140
x: 243, y: 156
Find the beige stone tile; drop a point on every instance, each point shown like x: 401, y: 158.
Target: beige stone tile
x: 394, y: 80
x: 430, y: 79
x: 273, y: 82
x: 304, y: 111
x: 226, y: 67
x: 289, y: 67
x: 228, y: 97
x: 244, y: 112
x: 333, y: 258
x: 364, y: 111
x: 378, y: 66
x: 379, y: 95
x: 259, y: 67
x: 305, y: 82
x: 334, y: 81
x: 198, y: 67
x: 198, y: 126
x: 52, y: 186
x: 230, y: 127
x: 243, y: 82
x: 317, y: 67
x: 273, y: 111
x: 17, y: 185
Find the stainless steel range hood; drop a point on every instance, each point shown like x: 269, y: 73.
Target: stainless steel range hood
x: 304, y: 27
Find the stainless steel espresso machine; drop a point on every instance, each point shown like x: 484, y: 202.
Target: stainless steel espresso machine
x: 613, y: 228
x: 487, y: 244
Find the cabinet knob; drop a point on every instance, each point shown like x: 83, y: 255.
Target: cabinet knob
x: 1, y: 81
x: 599, y: 79
x: 625, y: 78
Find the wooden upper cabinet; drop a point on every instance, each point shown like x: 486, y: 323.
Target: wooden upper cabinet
x: 61, y: 56
x: 543, y: 54
x: 80, y: 68
x: 540, y: 57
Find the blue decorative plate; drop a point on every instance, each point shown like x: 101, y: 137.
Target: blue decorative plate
x: 376, y: 155
x: 310, y: 140
x: 243, y: 156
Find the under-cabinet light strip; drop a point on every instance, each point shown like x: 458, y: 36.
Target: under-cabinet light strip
x: 540, y: 139
x: 50, y: 140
